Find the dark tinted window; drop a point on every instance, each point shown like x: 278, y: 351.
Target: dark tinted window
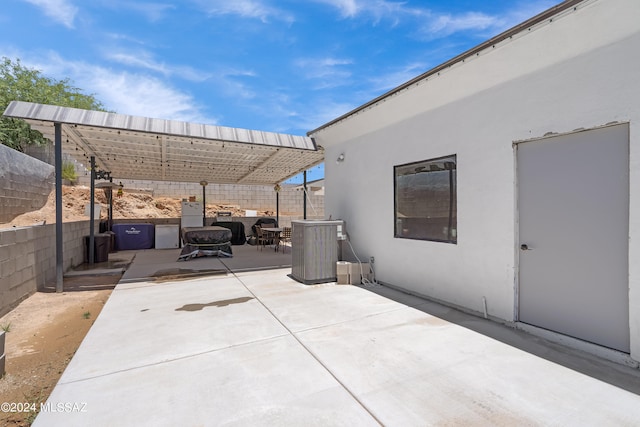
x: 425, y: 200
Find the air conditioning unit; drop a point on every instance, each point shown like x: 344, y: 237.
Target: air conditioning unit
x: 314, y: 250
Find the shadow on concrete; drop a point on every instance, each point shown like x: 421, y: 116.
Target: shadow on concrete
x: 616, y: 374
x: 177, y: 274
x: 85, y: 283
x: 92, y: 277
x: 162, y: 265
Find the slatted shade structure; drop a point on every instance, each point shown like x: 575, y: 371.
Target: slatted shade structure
x: 133, y: 147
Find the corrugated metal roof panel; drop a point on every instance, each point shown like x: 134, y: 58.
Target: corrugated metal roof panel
x: 168, y: 150
x: 52, y: 113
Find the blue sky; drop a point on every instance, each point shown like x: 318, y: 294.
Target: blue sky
x: 275, y: 65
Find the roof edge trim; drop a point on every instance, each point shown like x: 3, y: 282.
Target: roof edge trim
x: 109, y: 120
x: 547, y: 14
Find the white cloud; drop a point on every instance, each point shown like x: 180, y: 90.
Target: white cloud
x: 255, y: 9
x: 145, y: 60
x: 328, y: 72
x: 226, y: 78
x: 11, y: 53
x: 386, y: 82
x: 124, y: 92
x: 444, y: 25
x: 62, y: 11
x: 525, y: 10
x: 232, y: 87
x: 436, y: 25
x: 377, y: 9
x: 138, y: 59
x: 347, y: 8
x: 152, y: 11
x: 323, y: 112
x: 486, y: 25
x: 143, y: 95
x: 119, y: 37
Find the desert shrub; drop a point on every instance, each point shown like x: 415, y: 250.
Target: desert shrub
x: 69, y: 171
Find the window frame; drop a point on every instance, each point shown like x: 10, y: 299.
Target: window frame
x: 452, y: 224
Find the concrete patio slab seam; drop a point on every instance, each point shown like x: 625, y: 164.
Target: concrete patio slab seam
x: 308, y: 350
x: 164, y: 362
x: 363, y: 317
x: 150, y: 281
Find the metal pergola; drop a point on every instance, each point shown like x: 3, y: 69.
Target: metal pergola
x: 134, y: 147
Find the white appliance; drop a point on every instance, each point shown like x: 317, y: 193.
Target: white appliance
x: 167, y: 236
x: 191, y: 214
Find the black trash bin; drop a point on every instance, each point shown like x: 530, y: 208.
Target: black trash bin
x: 101, y: 247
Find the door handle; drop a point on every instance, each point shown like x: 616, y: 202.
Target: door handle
x: 525, y: 247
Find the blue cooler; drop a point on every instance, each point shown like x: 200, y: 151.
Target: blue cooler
x: 134, y: 236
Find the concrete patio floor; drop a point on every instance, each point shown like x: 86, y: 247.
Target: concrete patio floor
x: 222, y: 343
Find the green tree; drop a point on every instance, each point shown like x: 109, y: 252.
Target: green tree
x: 19, y: 83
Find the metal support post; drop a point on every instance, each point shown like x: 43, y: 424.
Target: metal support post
x: 59, y: 253
x: 92, y: 212
x: 304, y: 194
x: 204, y: 203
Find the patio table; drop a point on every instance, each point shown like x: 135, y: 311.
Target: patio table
x: 273, y: 233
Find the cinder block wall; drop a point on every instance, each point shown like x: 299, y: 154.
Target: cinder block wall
x: 25, y: 183
x: 28, y: 258
x: 256, y: 197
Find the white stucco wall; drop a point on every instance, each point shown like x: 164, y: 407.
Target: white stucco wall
x: 578, y: 71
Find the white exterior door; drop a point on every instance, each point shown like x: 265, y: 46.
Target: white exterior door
x: 573, y: 203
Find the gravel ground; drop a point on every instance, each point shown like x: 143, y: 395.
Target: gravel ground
x: 43, y: 334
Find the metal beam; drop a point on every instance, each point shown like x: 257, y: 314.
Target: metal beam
x: 259, y: 167
x: 75, y: 136
x: 163, y: 156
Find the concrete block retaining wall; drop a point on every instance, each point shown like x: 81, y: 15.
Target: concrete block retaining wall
x: 256, y: 197
x: 28, y: 258
x: 25, y: 183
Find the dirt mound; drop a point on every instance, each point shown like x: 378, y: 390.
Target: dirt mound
x: 132, y: 204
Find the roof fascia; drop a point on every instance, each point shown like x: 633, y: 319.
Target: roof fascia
x: 543, y: 16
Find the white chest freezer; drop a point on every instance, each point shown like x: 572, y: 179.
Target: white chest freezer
x: 167, y: 236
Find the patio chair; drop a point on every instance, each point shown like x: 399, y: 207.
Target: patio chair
x: 260, y: 237
x: 285, y: 237
x: 273, y: 238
